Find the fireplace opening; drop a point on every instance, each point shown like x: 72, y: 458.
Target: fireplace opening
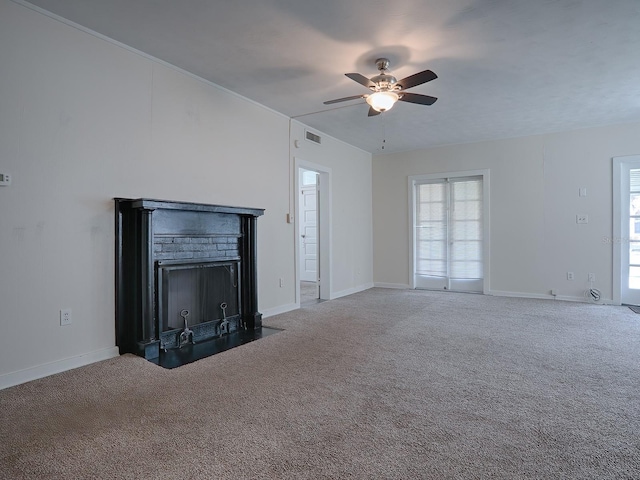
x: 202, y: 299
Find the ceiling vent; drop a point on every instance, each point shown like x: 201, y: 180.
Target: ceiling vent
x: 312, y: 137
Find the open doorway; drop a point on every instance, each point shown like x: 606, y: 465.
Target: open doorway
x: 313, y: 232
x: 308, y: 214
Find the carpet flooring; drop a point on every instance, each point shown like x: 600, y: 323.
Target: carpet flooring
x: 383, y: 384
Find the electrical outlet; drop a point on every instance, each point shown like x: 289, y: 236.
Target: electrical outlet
x: 570, y: 276
x: 592, y: 277
x: 65, y: 316
x: 5, y: 179
x: 582, y: 218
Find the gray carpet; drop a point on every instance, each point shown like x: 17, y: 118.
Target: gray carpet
x: 381, y: 384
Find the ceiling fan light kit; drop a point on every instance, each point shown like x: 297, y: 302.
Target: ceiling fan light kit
x: 387, y: 90
x: 382, y: 101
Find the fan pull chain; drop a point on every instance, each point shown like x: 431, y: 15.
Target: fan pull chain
x: 384, y: 132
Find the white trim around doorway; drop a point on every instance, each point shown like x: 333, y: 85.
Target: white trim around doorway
x: 325, y: 230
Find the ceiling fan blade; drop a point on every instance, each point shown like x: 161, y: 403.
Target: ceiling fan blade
x: 344, y: 99
x: 417, y: 98
x: 361, y: 79
x: 372, y: 112
x: 417, y: 79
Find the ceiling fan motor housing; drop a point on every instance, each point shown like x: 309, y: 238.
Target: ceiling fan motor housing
x: 383, y: 80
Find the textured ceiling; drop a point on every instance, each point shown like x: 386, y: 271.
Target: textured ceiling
x: 506, y: 68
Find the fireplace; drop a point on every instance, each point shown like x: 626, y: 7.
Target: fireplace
x: 185, y: 278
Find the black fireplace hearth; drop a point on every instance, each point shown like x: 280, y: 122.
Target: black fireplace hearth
x: 186, y: 282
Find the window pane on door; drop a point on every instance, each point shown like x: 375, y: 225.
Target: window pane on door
x: 634, y: 253
x: 432, y: 250
x: 431, y: 230
x: 634, y: 205
x: 634, y: 278
x: 466, y: 228
x: 634, y: 228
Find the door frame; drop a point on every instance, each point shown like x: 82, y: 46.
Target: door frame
x: 621, y: 165
x: 324, y: 226
x: 486, y: 227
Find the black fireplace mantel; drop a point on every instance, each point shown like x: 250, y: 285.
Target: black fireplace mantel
x: 154, y: 235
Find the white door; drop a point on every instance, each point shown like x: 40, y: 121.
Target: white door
x: 628, y: 241
x: 309, y: 227
x: 448, y: 234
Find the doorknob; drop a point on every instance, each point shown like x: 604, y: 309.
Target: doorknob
x: 303, y: 236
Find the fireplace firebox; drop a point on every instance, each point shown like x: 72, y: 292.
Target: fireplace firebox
x: 185, y: 275
x: 203, y: 297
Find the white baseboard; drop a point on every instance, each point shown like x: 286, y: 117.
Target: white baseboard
x: 399, y: 286
x: 270, y: 312
x: 564, y: 298
x: 501, y: 293
x: 40, y: 371
x: 351, y: 291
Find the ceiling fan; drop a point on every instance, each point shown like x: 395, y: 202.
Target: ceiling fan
x: 387, y: 90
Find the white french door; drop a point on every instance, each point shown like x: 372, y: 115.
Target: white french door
x: 308, y: 234
x: 448, y: 233
x: 626, y: 239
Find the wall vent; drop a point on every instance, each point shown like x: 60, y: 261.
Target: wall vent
x: 312, y: 137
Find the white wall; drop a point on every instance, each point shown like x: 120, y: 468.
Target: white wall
x: 352, y: 239
x: 535, y: 184
x: 83, y: 120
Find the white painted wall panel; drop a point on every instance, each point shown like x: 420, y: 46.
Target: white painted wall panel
x: 535, y: 184
x: 83, y: 120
